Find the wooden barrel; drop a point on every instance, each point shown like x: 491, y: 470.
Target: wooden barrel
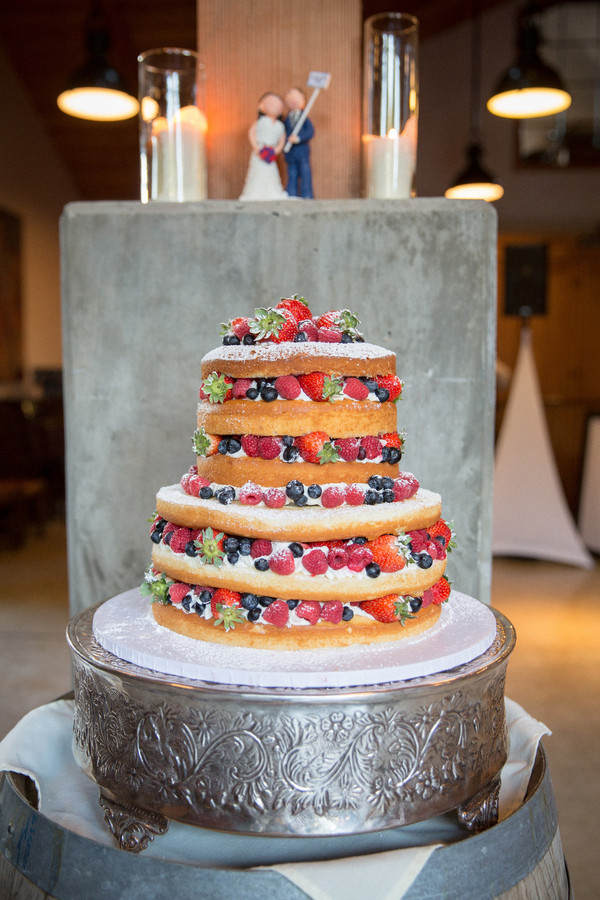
x: 517, y: 859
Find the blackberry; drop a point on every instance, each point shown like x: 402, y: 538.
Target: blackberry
x: 294, y: 489
x: 375, y: 482
x: 233, y: 558
x: 251, y: 393
x: 248, y: 339
x: 290, y: 454
x: 382, y: 394
x: 205, y: 493
x: 292, y: 604
x: 314, y: 491
x: 347, y: 614
x: 300, y: 337
x: 373, y: 570
x: 225, y: 495
x: 415, y: 603
x: 222, y: 448
x: 388, y: 496
x: 269, y: 394
x: 245, y: 546
x: 262, y: 564
x: 190, y: 549
x: 254, y: 615
x: 233, y: 445
x: 249, y: 601
x: 297, y: 549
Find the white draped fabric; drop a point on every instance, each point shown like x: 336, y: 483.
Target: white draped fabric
x: 531, y: 517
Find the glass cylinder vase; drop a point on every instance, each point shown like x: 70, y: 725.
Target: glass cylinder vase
x: 172, y: 125
x: 390, y: 105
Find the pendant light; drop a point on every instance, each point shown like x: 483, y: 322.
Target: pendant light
x: 96, y: 91
x: 474, y: 182
x: 530, y: 88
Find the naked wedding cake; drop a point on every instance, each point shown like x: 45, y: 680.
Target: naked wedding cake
x: 296, y: 528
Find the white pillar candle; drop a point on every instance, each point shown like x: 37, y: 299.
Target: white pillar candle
x: 179, y: 156
x: 390, y: 165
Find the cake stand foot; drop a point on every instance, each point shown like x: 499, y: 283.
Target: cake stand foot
x: 481, y: 811
x: 132, y: 827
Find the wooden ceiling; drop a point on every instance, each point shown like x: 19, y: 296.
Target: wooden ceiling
x: 44, y: 41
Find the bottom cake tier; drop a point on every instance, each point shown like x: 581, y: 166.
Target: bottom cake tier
x: 288, y: 761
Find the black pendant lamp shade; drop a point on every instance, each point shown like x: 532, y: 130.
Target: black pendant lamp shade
x: 474, y: 182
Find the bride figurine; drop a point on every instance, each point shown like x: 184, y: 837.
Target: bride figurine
x: 267, y: 138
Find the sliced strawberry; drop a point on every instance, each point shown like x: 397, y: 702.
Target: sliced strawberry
x: 277, y: 614
x: 297, y: 306
x: 332, y: 611
x: 356, y: 389
x: 309, y: 610
x: 386, y: 554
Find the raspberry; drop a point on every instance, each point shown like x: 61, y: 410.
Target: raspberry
x: 359, y: 557
x: 333, y: 496
x: 309, y: 610
x: 184, y: 481
x: 240, y: 388
x: 269, y: 447
x: 372, y: 446
x: 178, y: 591
x: 195, y: 483
x: 274, y: 498
x: 250, y: 494
x: 355, y: 494
x: 288, y: 387
x: 261, y: 547
x: 337, y: 558
x: 180, y: 538
x: 427, y: 598
x: 329, y: 335
x: 250, y: 444
x: 332, y: 611
x: 315, y: 562
x: 434, y: 548
x: 348, y: 448
x: 356, y: 389
x: 418, y: 540
x: 277, y: 613
x: 309, y: 328
x: 282, y: 562
x: 240, y: 326
x: 405, y: 486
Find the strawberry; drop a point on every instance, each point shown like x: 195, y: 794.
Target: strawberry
x: 288, y: 387
x: 385, y: 553
x: 332, y: 611
x: 181, y: 537
x: 333, y: 496
x: 276, y: 325
x: 205, y: 444
x: 277, y: 613
x: 217, y: 388
x: 355, y: 494
x: 250, y: 444
x: 405, y: 486
x: 441, y: 590
x: 342, y: 319
x: 226, y: 606
x: 392, y: 439
x: 392, y: 384
x: 315, y: 562
x: 310, y: 445
x: 391, y: 608
x: 372, y: 446
x: 348, y: 448
x: 274, y: 498
x: 261, y: 547
x: 240, y: 387
x: 269, y: 447
x: 177, y: 591
x: 441, y: 532
x: 320, y: 387
x: 329, y: 335
x: 309, y: 328
x: 210, y: 547
x: 297, y: 306
x: 309, y: 610
x: 250, y: 494
x: 283, y: 562
x: 356, y: 389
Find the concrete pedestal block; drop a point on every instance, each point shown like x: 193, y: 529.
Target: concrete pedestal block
x: 145, y: 288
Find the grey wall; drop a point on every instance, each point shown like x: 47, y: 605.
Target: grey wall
x: 144, y: 291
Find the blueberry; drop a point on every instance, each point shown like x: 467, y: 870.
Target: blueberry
x: 425, y: 561
x: 375, y: 482
x: 205, y: 597
x: 245, y: 546
x: 269, y: 394
x: 254, y: 615
x: 347, y: 614
x: 156, y: 536
x: 231, y: 544
x: 371, y: 498
x: 222, y: 448
x: 187, y: 602
x: 167, y: 538
x: 362, y: 453
x: 231, y: 339
x: 200, y: 607
x: 415, y: 603
x: 294, y: 489
x: 233, y: 445
x: 373, y: 570
x: 248, y: 339
x: 287, y: 440
x: 190, y: 549
x: 261, y: 564
x: 387, y: 483
x: 300, y: 337
x: 251, y: 393
x: 260, y: 383
x: 233, y: 558
x: 382, y: 394
x: 314, y: 491
x: 290, y: 454
x: 225, y: 495
x: 297, y: 549
x: 249, y: 601
x: 347, y: 338
x: 205, y: 493
x: 395, y: 455
x: 372, y: 385
x: 301, y: 501
x: 265, y: 601
x: 385, y: 454
x: 359, y: 339
x: 292, y: 604
x: 388, y: 496
x: 361, y: 540
x: 160, y: 525
x: 440, y: 539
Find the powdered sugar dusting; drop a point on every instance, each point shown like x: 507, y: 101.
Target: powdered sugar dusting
x: 290, y: 350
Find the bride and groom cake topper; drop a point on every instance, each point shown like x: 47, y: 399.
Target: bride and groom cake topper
x: 282, y: 126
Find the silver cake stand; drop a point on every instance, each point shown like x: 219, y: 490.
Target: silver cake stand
x: 281, y: 761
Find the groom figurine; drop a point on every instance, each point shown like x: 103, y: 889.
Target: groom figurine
x: 298, y: 156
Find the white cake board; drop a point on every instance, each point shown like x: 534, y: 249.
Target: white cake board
x: 126, y: 627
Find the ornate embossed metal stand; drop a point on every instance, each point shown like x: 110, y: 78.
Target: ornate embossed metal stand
x: 287, y: 762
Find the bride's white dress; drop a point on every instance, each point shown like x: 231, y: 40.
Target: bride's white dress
x: 262, y: 179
